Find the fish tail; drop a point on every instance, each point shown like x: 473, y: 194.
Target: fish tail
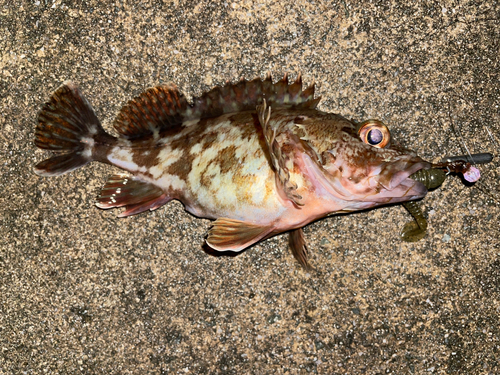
x: 68, y: 126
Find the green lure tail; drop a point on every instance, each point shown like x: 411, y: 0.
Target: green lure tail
x: 414, y: 231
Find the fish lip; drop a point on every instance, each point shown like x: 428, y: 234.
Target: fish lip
x: 404, y: 175
x: 418, y: 190
x: 400, y: 187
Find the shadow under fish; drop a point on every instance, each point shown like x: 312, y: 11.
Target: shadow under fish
x: 255, y: 156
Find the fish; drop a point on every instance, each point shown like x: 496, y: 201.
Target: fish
x: 257, y: 157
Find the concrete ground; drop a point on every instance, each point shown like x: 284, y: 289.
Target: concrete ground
x: 84, y: 292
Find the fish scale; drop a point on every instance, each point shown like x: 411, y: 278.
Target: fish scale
x: 256, y: 156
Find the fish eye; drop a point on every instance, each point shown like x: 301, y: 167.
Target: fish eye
x: 374, y: 133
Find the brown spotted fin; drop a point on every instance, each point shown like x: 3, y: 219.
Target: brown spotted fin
x: 68, y: 126
x: 247, y: 95
x: 135, y: 195
x: 164, y: 108
x: 152, y: 112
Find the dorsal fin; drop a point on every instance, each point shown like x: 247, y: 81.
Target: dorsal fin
x: 153, y: 111
x: 163, y: 107
x: 246, y: 95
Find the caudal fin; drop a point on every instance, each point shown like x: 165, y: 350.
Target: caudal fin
x: 68, y: 126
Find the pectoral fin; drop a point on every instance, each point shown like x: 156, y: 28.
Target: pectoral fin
x: 278, y: 157
x: 297, y: 244
x: 235, y: 235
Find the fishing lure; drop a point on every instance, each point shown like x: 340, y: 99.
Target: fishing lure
x: 434, y: 178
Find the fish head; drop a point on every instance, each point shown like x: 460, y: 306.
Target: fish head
x: 364, y: 168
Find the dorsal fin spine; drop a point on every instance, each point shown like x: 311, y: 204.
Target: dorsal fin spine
x: 164, y: 107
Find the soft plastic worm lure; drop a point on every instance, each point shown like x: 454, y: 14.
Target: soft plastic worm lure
x: 434, y: 178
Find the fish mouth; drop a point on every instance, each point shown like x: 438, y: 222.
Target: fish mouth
x: 399, y: 186
x: 387, y: 182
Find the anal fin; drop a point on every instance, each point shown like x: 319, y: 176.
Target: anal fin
x: 234, y: 235
x: 135, y: 195
x: 297, y: 244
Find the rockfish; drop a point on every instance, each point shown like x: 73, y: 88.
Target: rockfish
x: 255, y: 156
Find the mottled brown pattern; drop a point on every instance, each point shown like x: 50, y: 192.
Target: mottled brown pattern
x: 250, y: 126
x: 287, y: 148
x: 208, y: 140
x: 350, y: 130
x: 146, y: 153
x: 242, y: 117
x: 357, y: 178
x: 183, y: 166
x: 320, y: 129
x: 205, y: 179
x: 299, y: 120
x: 244, y: 194
x: 227, y: 160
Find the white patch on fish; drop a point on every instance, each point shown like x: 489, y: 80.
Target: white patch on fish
x: 170, y: 181
x: 195, y: 149
x: 92, y: 130
x: 123, y: 158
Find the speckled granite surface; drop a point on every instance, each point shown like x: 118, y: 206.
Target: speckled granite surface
x: 82, y: 291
